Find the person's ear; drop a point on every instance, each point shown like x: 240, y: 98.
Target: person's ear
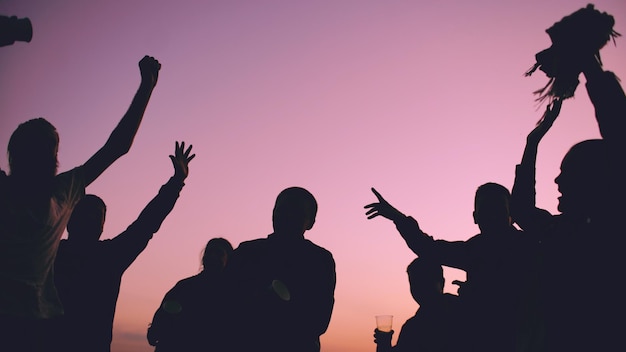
x: 310, y: 223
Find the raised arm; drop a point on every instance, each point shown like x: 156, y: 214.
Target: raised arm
x: 523, y: 209
x: 134, y: 240
x: 382, y: 208
x: 408, y: 228
x: 121, y: 138
x: 609, y: 102
x: 454, y: 254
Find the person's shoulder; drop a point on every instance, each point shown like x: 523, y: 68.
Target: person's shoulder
x: 450, y: 298
x: 187, y: 282
x: 257, y: 242
x: 250, y: 247
x: 318, y: 250
x: 316, y: 247
x: 477, y: 238
x: 413, y: 320
x: 70, y: 174
x: 72, y: 181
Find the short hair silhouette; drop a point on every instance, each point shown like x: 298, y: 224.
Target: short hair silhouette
x: 425, y: 270
x: 32, y: 149
x: 88, y: 218
x: 491, y: 206
x: 217, y: 249
x: 294, y: 211
x: 425, y: 280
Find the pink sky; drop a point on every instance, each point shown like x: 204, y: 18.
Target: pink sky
x: 424, y: 100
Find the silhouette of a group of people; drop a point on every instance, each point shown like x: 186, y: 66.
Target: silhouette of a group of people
x: 535, y: 281
x: 544, y: 285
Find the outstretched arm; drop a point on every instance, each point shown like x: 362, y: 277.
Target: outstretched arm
x: 454, y: 254
x: 121, y: 138
x: 523, y: 209
x: 408, y: 228
x: 382, y: 208
x: 134, y: 240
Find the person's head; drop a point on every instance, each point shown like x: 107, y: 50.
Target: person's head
x: 426, y: 280
x: 588, y: 181
x: 32, y: 150
x: 491, y: 207
x: 294, y: 211
x: 87, y: 220
x: 216, y: 254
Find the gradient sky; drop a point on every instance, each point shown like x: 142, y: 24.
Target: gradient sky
x: 424, y: 100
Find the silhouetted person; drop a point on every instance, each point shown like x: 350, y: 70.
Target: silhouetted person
x: 35, y: 206
x: 531, y: 331
x: 582, y: 247
x: 493, y: 259
x: 89, y: 271
x: 192, y: 314
x: 434, y: 325
x: 283, y: 285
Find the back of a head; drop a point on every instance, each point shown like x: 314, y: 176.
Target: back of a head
x: 32, y: 150
x: 87, y: 220
x: 294, y: 211
x: 426, y: 280
x: 216, y: 254
x: 425, y: 271
x: 491, y: 206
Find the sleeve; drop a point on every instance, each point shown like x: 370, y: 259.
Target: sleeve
x: 130, y: 243
x: 73, y: 184
x: 609, y: 101
x: 453, y: 254
x: 162, y: 321
x: 419, y: 242
x: 327, y: 295
x: 310, y: 313
x: 523, y: 209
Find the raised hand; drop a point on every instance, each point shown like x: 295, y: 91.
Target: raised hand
x: 149, y: 68
x: 180, y: 160
x: 382, y: 208
x: 552, y: 111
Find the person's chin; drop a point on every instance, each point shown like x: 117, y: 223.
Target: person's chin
x: 562, y: 206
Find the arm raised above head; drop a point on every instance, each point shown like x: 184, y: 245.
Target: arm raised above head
x: 122, y: 137
x: 523, y: 209
x: 153, y: 215
x: 134, y: 240
x: 609, y: 101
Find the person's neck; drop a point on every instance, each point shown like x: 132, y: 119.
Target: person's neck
x: 496, y: 231
x: 288, y: 235
x: 431, y: 302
